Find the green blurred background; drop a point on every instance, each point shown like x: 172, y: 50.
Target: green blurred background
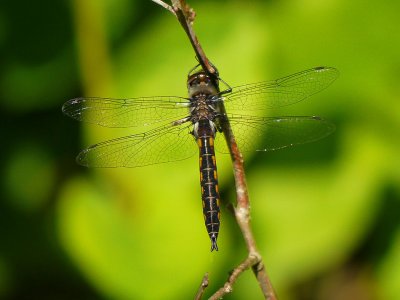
x: 325, y: 215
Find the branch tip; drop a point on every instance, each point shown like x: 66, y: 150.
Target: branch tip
x: 165, y: 5
x: 203, y: 286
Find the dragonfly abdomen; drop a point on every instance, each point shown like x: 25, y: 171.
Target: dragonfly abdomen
x: 209, y: 182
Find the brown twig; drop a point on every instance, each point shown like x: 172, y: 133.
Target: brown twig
x: 186, y: 17
x: 165, y: 5
x: 202, y: 288
x: 228, y: 286
x: 242, y: 215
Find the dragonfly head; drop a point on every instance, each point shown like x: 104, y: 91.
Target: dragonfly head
x: 201, y: 83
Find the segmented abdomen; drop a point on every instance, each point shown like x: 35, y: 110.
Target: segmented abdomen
x: 209, y: 183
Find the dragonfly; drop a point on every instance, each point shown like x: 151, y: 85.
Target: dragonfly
x: 177, y: 124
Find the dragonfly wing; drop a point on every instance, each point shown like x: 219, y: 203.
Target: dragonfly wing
x: 281, y: 92
x: 160, y: 145
x: 110, y: 112
x: 266, y: 134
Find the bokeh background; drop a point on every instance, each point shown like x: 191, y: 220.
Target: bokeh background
x: 325, y: 215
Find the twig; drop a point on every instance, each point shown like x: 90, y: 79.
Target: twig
x: 165, y: 5
x: 202, y: 288
x: 227, y: 288
x: 242, y: 215
x: 186, y: 17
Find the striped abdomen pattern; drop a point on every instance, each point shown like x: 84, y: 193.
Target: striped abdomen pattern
x: 209, y: 182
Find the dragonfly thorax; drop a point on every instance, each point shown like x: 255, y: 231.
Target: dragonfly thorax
x: 202, y: 108
x: 202, y: 91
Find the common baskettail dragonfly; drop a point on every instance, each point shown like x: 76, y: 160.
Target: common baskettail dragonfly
x: 181, y: 122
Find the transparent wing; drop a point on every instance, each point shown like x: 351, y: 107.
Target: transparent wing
x: 110, y: 112
x: 281, y: 92
x: 159, y: 145
x: 266, y: 134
